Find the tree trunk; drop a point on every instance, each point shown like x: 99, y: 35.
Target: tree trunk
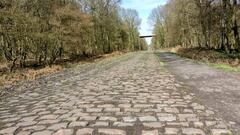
x: 45, y: 50
x: 235, y: 26
x: 13, y: 65
x: 225, y: 26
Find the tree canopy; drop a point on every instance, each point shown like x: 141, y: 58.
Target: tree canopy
x: 210, y: 24
x: 47, y: 30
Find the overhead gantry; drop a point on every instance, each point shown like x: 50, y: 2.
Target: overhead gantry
x: 147, y: 36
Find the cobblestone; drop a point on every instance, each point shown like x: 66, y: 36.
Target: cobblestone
x: 9, y: 130
x: 111, y: 132
x: 153, y: 124
x: 192, y: 131
x: 167, y: 118
x: 148, y: 132
x: 64, y: 132
x: 122, y: 124
x: 108, y: 118
x: 24, y: 133
x: 221, y: 132
x: 100, y: 124
x: 147, y: 118
x: 85, y: 131
x: 78, y: 124
x: 43, y: 133
x: 129, y: 119
x: 57, y: 126
x: 171, y: 131
x: 126, y: 95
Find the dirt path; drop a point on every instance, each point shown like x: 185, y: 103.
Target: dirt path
x: 129, y: 95
x: 217, y: 89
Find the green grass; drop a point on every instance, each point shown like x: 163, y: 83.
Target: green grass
x: 159, y: 59
x: 209, y: 57
x: 162, y: 63
x: 226, y: 67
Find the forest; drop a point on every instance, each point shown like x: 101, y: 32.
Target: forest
x: 45, y: 31
x: 204, y: 24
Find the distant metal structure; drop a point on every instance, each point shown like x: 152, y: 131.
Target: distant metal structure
x: 147, y: 36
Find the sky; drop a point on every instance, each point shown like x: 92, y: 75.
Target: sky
x: 144, y: 8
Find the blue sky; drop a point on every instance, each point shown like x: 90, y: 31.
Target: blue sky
x: 144, y: 8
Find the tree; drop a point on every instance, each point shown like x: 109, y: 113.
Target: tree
x: 132, y: 22
x: 156, y: 18
x: 44, y: 31
x: 210, y: 24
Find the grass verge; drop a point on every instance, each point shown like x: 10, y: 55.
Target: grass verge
x: 214, y: 58
x: 226, y: 67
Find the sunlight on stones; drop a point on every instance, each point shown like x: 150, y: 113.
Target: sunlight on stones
x: 145, y: 102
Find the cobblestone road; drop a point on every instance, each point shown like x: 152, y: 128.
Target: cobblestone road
x: 129, y: 95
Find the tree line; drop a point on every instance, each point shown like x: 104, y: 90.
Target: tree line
x: 210, y: 24
x: 49, y: 30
